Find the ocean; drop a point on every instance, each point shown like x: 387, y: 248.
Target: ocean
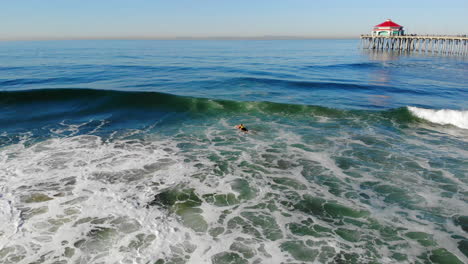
x: 125, y: 151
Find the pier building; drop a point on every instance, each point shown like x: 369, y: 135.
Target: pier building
x: 388, y: 28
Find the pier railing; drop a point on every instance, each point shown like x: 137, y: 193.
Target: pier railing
x: 423, y: 43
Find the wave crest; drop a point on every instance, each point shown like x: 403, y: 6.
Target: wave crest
x: 442, y: 116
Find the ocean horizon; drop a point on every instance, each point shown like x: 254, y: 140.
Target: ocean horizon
x: 126, y: 151
x: 149, y: 38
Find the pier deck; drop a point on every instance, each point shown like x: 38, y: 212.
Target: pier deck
x: 438, y: 44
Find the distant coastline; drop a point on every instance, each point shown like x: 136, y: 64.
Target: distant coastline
x: 188, y: 38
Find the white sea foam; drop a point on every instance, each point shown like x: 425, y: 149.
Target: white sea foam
x: 442, y: 116
x: 60, y: 193
x: 100, y: 191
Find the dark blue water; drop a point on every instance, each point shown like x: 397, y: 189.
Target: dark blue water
x: 319, y: 72
x: 125, y: 151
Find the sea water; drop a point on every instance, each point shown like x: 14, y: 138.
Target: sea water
x: 126, y: 152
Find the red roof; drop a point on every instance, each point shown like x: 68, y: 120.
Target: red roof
x: 388, y: 23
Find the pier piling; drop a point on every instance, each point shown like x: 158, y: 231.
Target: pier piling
x: 457, y: 45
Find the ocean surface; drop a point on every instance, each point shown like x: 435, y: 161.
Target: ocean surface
x: 126, y: 152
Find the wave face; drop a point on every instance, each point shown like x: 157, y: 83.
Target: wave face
x: 52, y: 106
x: 126, y: 152
x: 442, y: 116
x: 94, y: 101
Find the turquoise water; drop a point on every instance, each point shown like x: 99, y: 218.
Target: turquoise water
x: 126, y: 152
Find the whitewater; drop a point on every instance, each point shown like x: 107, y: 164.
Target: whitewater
x: 442, y: 116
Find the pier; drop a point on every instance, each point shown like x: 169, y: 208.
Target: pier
x: 457, y: 45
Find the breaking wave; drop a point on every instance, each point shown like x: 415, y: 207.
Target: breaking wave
x: 442, y: 116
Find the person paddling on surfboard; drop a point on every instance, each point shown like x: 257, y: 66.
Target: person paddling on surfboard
x: 242, y: 128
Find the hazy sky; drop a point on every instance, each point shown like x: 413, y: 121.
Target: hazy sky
x: 71, y: 19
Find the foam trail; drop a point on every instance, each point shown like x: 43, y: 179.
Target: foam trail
x: 443, y: 116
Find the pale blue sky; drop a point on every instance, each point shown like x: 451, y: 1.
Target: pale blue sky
x: 71, y: 19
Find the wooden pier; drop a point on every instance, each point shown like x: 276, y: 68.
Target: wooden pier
x: 457, y: 45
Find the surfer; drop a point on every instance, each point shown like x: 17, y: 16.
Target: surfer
x: 242, y: 128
